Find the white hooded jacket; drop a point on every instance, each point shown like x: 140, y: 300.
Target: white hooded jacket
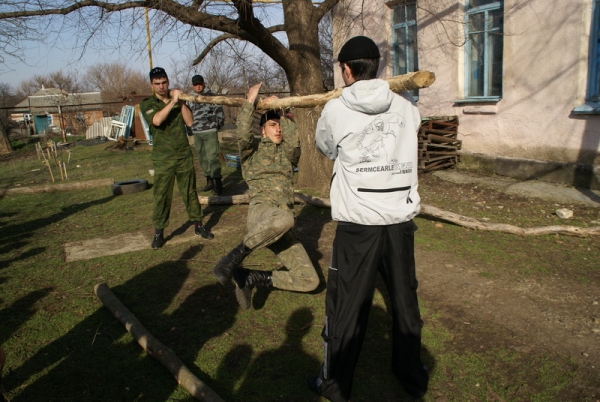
x: 371, y: 133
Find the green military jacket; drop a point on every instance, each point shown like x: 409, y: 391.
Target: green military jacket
x: 268, y: 168
x: 169, y: 140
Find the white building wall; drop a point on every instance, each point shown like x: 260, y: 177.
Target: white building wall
x: 546, y: 45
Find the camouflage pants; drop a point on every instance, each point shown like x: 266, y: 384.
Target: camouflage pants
x: 207, y: 148
x: 165, y: 173
x: 271, y: 227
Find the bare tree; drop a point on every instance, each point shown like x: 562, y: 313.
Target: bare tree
x: 8, y: 98
x: 65, y: 81
x: 297, y: 52
x: 116, y: 81
x: 32, y: 85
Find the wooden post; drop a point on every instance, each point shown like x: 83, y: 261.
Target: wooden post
x: 49, y: 168
x: 154, y: 348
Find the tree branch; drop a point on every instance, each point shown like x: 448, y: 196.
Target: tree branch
x: 400, y: 83
x: 325, y: 7
x: 214, y: 42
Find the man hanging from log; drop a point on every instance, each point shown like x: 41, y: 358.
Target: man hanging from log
x: 268, y: 167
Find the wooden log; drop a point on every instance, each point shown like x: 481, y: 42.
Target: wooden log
x: 154, y: 348
x: 440, y: 133
x: 472, y: 223
x: 79, y: 185
x: 399, y: 83
x: 460, y: 220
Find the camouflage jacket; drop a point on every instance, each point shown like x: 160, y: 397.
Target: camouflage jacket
x: 206, y: 116
x: 268, y: 168
x: 169, y: 140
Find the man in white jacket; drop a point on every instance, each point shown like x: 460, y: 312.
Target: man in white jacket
x: 371, y: 133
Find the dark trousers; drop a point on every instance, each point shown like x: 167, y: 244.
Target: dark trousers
x: 359, y: 253
x: 165, y: 173
x: 208, y: 149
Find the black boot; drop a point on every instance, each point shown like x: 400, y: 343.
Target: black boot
x: 200, y: 230
x: 210, y: 184
x: 245, y: 280
x: 225, y: 266
x: 218, y: 190
x: 159, y: 239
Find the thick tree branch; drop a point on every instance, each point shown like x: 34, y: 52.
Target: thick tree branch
x: 215, y: 41
x: 400, y: 83
x: 325, y: 7
x: 211, y: 45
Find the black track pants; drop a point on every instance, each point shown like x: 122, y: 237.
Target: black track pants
x: 359, y: 252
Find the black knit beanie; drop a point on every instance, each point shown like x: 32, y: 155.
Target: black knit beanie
x: 359, y: 47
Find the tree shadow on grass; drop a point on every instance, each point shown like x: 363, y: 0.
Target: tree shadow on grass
x: 16, y: 235
x: 276, y: 374
x: 15, y: 315
x: 97, y: 360
x: 310, y: 227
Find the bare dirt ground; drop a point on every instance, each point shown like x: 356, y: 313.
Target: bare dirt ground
x: 546, y: 312
x: 542, y: 313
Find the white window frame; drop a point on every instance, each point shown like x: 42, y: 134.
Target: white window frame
x: 488, y: 31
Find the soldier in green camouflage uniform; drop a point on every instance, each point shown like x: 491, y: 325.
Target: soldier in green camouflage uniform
x: 208, y: 120
x: 268, y: 168
x: 172, y: 158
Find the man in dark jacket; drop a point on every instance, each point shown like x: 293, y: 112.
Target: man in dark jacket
x: 208, y: 120
x: 167, y: 117
x: 268, y: 168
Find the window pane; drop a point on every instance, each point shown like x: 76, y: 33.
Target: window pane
x: 476, y: 22
x: 399, y: 15
x: 478, y: 3
x: 595, y: 75
x: 476, y: 51
x: 495, y: 19
x: 413, y: 64
x: 495, y: 73
x: 400, y: 51
x: 595, y: 70
x: 411, y: 12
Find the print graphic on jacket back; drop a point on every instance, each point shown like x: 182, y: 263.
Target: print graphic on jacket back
x: 380, y: 135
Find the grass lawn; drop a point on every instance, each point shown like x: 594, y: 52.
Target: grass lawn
x: 63, y: 345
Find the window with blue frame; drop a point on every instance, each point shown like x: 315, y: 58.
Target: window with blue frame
x: 484, y: 48
x: 404, y: 37
x: 594, y: 71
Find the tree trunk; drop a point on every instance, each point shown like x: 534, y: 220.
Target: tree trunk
x: 304, y: 76
x: 5, y: 145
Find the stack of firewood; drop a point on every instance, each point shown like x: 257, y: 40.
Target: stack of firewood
x: 438, y: 143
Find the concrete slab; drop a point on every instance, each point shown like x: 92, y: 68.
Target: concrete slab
x: 124, y: 243
x: 527, y: 188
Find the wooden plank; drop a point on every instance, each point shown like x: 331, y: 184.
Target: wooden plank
x: 433, y: 138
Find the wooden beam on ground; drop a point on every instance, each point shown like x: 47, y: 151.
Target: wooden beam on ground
x: 154, y: 348
x: 428, y: 210
x: 399, y: 83
x: 47, y: 188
